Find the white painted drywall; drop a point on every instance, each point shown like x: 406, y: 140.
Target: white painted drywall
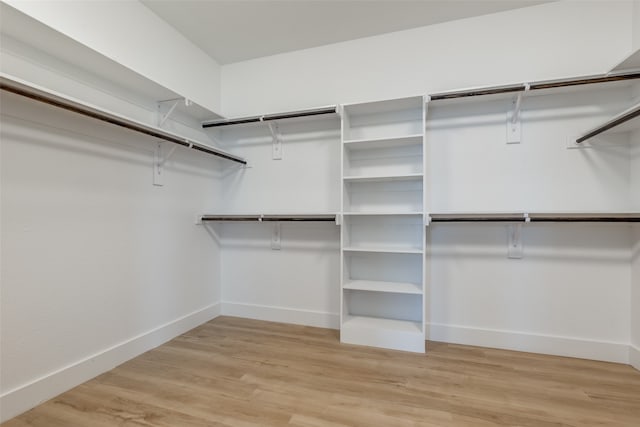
x: 568, y: 295
x: 540, y: 42
x: 98, y: 264
x: 300, y: 282
x: 634, y: 354
x: 574, y: 281
x: 636, y: 25
x: 634, y: 351
x: 297, y: 284
x: 472, y: 168
x: 130, y: 34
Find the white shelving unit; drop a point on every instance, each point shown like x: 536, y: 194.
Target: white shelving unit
x: 383, y: 233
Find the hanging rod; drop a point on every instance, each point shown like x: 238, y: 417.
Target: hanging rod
x: 270, y: 218
x: 552, y: 84
x: 617, y: 120
x: 270, y: 117
x: 28, y: 90
x: 537, y: 217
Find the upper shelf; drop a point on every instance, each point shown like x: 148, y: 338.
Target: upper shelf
x: 374, y: 143
x: 301, y: 114
x: 631, y: 62
x: 385, y: 106
x: 269, y: 217
x: 489, y: 93
x: 40, y: 44
x: 536, y: 217
x: 40, y: 94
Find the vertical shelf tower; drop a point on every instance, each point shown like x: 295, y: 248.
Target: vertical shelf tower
x: 383, y: 231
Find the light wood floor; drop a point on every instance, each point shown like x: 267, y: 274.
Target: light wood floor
x: 239, y: 372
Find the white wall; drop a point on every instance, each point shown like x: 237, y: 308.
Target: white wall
x: 636, y: 25
x: 573, y: 284
x: 472, y: 168
x: 535, y: 43
x: 130, y: 34
x: 98, y: 265
x: 568, y: 295
x: 634, y: 350
x: 300, y: 282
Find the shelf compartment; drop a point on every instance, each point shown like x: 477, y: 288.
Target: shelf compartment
x: 380, y: 143
x: 379, y: 286
x: 383, y: 178
x: 390, y: 232
x: 384, y: 119
x: 404, y: 160
x: 385, y: 333
x: 383, y: 267
x: 385, y: 196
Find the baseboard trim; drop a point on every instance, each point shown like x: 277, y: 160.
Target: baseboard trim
x: 319, y: 319
x: 634, y: 357
x: 27, y: 396
x: 534, y: 343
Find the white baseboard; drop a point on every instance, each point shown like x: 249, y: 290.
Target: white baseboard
x: 534, y: 343
x: 634, y: 357
x: 27, y: 396
x: 282, y: 314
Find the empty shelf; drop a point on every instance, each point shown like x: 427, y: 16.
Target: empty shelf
x: 380, y: 213
x: 374, y: 143
x: 378, y: 286
x: 385, y: 250
x: 383, y: 178
x: 384, y: 324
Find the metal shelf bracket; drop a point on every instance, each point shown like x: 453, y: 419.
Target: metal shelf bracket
x: 514, y: 128
x: 164, y: 116
x: 276, y: 141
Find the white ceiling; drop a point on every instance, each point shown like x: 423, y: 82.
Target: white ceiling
x: 236, y: 30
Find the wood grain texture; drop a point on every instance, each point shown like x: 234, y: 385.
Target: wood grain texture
x: 240, y: 372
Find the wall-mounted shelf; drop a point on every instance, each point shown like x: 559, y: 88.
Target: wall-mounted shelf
x: 269, y: 218
x: 40, y: 94
x: 301, y: 114
x: 536, y: 217
x: 631, y: 62
x: 535, y: 88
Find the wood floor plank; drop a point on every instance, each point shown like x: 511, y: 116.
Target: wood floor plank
x: 245, y: 373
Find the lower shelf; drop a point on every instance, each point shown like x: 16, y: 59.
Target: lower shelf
x: 380, y: 286
x: 386, y: 333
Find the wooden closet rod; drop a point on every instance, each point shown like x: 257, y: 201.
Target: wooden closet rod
x: 270, y: 117
x: 114, y: 119
x: 536, y: 86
